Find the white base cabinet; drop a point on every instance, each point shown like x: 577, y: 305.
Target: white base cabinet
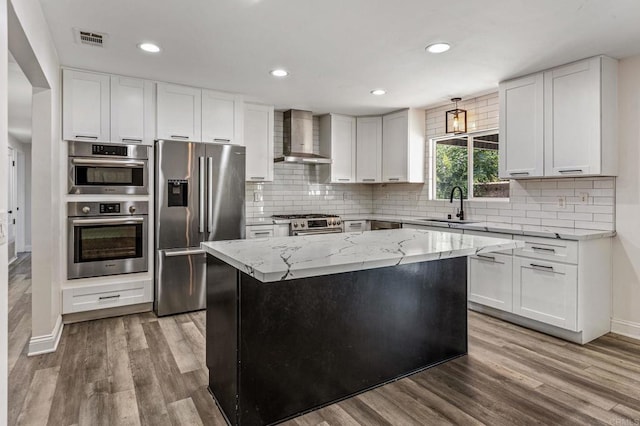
x: 91, y: 297
x: 490, y: 280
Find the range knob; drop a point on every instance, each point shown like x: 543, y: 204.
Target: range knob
x: 295, y: 224
x: 132, y: 209
x: 302, y: 225
x: 86, y: 209
x: 338, y: 222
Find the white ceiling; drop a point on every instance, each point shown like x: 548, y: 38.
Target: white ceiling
x: 338, y: 50
x: 19, y: 96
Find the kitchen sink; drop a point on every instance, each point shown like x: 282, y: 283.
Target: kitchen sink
x: 447, y: 220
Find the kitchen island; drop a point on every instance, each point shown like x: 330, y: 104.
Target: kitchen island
x: 296, y: 323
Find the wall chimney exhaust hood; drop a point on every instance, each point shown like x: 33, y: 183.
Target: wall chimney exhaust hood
x: 298, y: 139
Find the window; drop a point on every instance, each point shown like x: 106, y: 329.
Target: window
x: 453, y: 166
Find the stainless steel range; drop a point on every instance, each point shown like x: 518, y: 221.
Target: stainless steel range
x: 310, y: 224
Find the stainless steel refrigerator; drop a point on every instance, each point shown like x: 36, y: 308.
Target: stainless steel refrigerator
x: 199, y: 196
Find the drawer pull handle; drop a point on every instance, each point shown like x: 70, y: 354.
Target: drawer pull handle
x: 486, y: 258
x: 257, y: 177
x: 86, y: 137
x: 355, y: 225
x: 221, y: 140
x: 262, y: 233
x: 116, y: 296
x: 179, y: 137
x: 543, y: 249
x: 368, y: 180
x: 571, y: 171
x: 131, y: 140
x: 544, y: 267
x: 394, y: 179
x: 519, y: 173
x: 344, y: 180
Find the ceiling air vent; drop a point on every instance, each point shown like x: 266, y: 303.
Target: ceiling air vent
x: 90, y: 38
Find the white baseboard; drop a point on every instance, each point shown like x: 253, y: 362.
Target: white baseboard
x: 626, y: 328
x: 48, y: 342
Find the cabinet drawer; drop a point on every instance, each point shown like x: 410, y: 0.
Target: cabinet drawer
x: 548, y: 249
x: 81, y: 299
x: 546, y: 292
x: 259, y: 231
x: 492, y: 235
x: 355, y: 225
x: 490, y: 280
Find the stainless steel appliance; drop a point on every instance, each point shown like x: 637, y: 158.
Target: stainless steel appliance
x: 377, y: 225
x: 107, y: 238
x: 199, y: 197
x: 310, y: 224
x: 98, y: 168
x: 297, y: 139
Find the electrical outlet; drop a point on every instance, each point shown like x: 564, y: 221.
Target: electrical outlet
x: 562, y: 202
x: 584, y: 197
x: 257, y: 197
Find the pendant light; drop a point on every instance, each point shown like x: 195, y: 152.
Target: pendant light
x: 456, y: 119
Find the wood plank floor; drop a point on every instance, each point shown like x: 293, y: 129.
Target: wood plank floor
x: 141, y: 370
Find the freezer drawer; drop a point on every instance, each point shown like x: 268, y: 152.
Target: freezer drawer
x: 180, y: 281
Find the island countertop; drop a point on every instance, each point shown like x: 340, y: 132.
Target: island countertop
x: 287, y: 258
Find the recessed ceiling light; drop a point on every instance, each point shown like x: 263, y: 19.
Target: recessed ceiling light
x: 149, y: 47
x: 279, y: 73
x: 378, y: 92
x: 438, y: 47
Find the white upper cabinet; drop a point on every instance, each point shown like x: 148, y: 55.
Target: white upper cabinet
x: 403, y: 135
x: 369, y: 149
x: 258, y: 139
x: 522, y: 126
x: 85, y: 106
x: 565, y: 116
x: 132, y: 114
x: 221, y: 117
x: 338, y: 142
x: 580, y: 104
x: 179, y: 112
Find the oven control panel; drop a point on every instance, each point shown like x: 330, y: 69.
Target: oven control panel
x: 110, y: 208
x: 113, y: 150
x: 325, y: 223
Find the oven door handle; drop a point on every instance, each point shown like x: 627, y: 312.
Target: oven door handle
x: 109, y: 221
x: 324, y: 231
x: 102, y: 162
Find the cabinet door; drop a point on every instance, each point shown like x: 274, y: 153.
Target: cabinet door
x: 490, y: 280
x: 369, y: 149
x: 131, y: 115
x: 395, y: 137
x: 343, y: 148
x: 355, y: 225
x: 258, y: 138
x: 259, y: 231
x: 221, y: 117
x: 546, y: 292
x: 522, y: 127
x: 572, y: 119
x: 179, y: 112
x: 85, y: 106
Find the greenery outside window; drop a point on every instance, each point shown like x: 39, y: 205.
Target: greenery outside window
x: 452, y: 165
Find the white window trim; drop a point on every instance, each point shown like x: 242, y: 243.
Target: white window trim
x: 432, y: 163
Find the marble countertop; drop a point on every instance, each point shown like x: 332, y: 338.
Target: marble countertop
x: 285, y: 258
x: 502, y: 228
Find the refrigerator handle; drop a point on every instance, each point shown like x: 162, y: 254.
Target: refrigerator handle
x: 201, y: 190
x: 210, y: 194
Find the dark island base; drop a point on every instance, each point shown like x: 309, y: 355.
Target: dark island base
x: 277, y: 350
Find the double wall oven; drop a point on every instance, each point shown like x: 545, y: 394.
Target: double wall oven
x: 107, y: 238
x: 98, y: 168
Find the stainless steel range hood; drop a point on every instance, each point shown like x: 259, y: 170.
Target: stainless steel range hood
x: 298, y: 139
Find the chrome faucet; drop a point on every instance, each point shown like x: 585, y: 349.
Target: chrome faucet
x: 460, y: 214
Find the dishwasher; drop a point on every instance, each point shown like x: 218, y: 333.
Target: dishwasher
x: 377, y: 225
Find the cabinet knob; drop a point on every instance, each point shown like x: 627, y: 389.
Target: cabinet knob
x: 86, y: 209
x: 132, y: 209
